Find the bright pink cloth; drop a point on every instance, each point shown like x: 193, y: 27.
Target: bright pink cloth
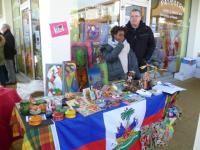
x: 8, y: 98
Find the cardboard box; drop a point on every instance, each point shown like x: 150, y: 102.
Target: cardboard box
x: 197, y: 73
x: 182, y: 76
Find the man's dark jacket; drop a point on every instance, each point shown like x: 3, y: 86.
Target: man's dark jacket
x: 9, y: 47
x: 141, y: 41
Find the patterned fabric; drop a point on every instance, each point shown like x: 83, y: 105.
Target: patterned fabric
x: 38, y: 138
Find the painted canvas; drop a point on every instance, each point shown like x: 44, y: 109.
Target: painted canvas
x: 70, y: 81
x: 92, y: 31
x: 79, y: 54
x: 97, y: 56
x: 104, y: 72
x: 104, y: 33
x: 54, y: 78
x: 95, y: 78
x: 82, y: 52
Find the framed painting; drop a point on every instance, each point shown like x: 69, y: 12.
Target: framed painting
x: 81, y: 54
x: 95, y: 77
x: 104, y: 33
x: 70, y: 81
x: 54, y: 78
x: 92, y: 31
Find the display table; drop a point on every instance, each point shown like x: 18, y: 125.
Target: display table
x: 102, y: 130
x: 8, y: 98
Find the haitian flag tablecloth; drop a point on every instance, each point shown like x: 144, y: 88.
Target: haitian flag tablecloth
x: 112, y: 129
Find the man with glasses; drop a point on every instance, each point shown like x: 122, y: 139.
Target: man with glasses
x: 140, y: 38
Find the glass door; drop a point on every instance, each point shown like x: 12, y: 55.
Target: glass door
x: 27, y: 40
x: 128, y: 5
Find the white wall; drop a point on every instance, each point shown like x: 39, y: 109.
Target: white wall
x: 194, y: 37
x: 7, y: 13
x: 54, y: 50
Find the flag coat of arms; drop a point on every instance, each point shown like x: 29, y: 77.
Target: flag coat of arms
x: 123, y: 125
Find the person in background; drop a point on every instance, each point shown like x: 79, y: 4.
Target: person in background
x: 119, y: 57
x: 9, y: 53
x: 2, y: 62
x: 140, y: 37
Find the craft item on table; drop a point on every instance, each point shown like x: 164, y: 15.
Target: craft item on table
x: 54, y: 79
x: 35, y: 120
x: 131, y: 84
x: 25, y: 107
x: 35, y: 110
x: 43, y: 108
x: 154, y: 69
x: 86, y: 94
x: 130, y: 98
x: 70, y: 77
x: 88, y: 109
x: 109, y: 91
x: 101, y: 103
x: 95, y: 78
x: 58, y: 116
x: 98, y: 93
x: 42, y: 115
x: 76, y: 103
x: 70, y: 113
x: 144, y: 93
x: 118, y: 86
x: 104, y: 33
x: 70, y: 96
x: 92, y: 95
x: 51, y: 106
x: 146, y: 81
x: 106, y: 103
x: 92, y: 31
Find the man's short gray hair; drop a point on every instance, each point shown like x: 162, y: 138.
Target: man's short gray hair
x: 136, y: 10
x: 6, y: 26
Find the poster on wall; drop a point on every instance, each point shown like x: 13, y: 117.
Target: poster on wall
x: 54, y: 78
x: 59, y: 29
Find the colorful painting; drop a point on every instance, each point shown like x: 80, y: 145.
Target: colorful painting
x: 92, y: 32
x: 104, y: 72
x: 104, y: 33
x: 54, y: 78
x: 97, y: 56
x: 59, y: 29
x: 70, y: 77
x: 95, y: 78
x: 79, y: 54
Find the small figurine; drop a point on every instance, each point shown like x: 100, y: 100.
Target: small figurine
x: 130, y: 76
x: 147, y: 81
x: 131, y: 84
